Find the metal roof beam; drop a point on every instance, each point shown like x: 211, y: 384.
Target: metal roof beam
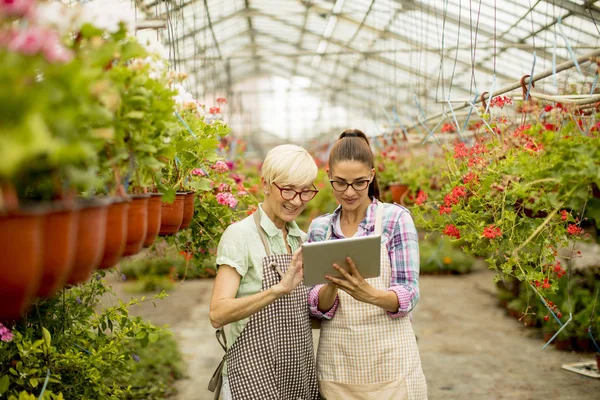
x: 584, y: 10
x: 252, y: 35
x: 242, y: 13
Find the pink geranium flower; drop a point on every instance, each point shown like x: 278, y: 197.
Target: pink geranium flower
x: 16, y: 8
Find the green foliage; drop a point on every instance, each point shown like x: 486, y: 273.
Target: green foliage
x: 439, y: 256
x: 528, y: 188
x: 87, y: 348
x: 159, y: 365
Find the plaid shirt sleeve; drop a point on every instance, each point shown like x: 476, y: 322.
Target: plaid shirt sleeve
x: 317, y: 232
x: 403, y: 250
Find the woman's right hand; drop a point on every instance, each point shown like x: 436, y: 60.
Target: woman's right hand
x: 293, y: 276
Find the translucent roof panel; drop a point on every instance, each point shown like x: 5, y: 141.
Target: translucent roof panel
x: 387, y: 51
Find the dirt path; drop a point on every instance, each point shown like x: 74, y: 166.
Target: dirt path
x: 469, y: 348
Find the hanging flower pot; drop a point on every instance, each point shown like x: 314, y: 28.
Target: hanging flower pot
x: 59, y: 246
x: 188, y: 210
x: 116, y: 232
x: 172, y: 215
x: 21, y: 243
x: 154, y: 217
x: 399, y: 192
x: 137, y: 223
x: 91, y: 236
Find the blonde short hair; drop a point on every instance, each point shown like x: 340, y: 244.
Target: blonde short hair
x: 289, y: 164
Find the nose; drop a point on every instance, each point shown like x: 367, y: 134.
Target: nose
x: 349, y: 191
x: 296, y: 201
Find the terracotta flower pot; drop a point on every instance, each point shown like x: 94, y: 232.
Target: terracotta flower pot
x: 548, y: 335
x: 116, y: 233
x: 399, y: 192
x: 91, y: 235
x: 137, y: 223
x: 188, y: 210
x: 59, y: 246
x: 563, y: 344
x: 154, y: 215
x: 583, y: 344
x: 172, y: 215
x: 21, y: 243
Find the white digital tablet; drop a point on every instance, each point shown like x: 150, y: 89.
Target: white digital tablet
x: 319, y: 257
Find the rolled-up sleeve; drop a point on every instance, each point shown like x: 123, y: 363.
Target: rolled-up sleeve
x: 313, y: 304
x: 316, y: 233
x: 403, y: 250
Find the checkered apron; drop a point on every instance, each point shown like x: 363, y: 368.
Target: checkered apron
x: 365, y: 354
x: 273, y: 358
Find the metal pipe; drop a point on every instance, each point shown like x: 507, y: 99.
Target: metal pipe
x: 539, y: 76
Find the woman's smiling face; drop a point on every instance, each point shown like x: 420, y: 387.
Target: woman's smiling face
x: 351, y: 172
x: 280, y: 209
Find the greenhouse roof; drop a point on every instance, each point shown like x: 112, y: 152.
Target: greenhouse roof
x: 377, y: 55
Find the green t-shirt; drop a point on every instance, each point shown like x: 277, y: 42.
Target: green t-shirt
x: 241, y: 248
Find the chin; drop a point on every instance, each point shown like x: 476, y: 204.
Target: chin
x: 287, y: 216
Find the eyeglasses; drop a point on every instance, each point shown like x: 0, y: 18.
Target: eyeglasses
x: 340, y: 186
x: 290, y: 194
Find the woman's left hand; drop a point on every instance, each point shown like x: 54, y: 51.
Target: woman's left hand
x: 353, y: 283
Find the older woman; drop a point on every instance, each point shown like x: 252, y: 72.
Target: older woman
x: 367, y: 347
x: 258, y: 290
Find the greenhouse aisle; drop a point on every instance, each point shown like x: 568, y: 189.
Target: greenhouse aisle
x: 469, y: 347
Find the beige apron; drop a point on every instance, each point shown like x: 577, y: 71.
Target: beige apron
x: 365, y: 354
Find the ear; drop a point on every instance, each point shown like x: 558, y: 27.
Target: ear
x: 264, y: 184
x: 372, y: 174
x: 328, y: 171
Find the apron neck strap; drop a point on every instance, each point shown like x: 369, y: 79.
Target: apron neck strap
x: 261, y: 232
x: 379, y: 219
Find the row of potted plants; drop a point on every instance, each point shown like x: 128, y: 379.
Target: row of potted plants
x: 576, y: 295
x: 98, y: 145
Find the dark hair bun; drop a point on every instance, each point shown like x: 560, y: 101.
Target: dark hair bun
x: 354, y: 133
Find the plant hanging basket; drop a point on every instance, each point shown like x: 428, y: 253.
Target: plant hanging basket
x: 21, y: 242
x: 91, y: 236
x: 137, y: 223
x: 116, y: 233
x: 188, y: 210
x: 154, y: 218
x: 59, y: 246
x: 172, y: 215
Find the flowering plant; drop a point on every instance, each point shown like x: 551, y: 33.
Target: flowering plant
x: 518, y: 197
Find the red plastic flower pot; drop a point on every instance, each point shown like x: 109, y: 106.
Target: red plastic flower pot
x: 172, y: 215
x: 137, y: 223
x: 116, y: 233
x: 399, y: 192
x: 21, y: 243
x: 154, y: 217
x: 59, y: 246
x: 188, y: 210
x: 91, y: 236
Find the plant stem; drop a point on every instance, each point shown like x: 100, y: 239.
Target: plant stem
x: 542, y: 225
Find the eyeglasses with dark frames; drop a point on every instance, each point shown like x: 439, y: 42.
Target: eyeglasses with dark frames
x: 290, y: 194
x: 341, y: 186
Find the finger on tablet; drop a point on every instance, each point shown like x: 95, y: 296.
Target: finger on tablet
x: 342, y: 271
x: 352, y: 266
x: 339, y: 282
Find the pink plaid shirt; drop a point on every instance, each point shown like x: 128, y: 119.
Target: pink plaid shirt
x: 400, y: 238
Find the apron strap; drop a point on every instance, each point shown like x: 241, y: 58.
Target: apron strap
x: 379, y: 219
x: 261, y: 232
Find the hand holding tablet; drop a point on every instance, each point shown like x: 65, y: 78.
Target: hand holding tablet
x: 319, y: 258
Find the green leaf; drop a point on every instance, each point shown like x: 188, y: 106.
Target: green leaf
x: 137, y: 115
x: 153, y: 337
x: 33, y: 382
x: 4, y: 384
x: 47, y: 337
x: 202, y: 184
x: 141, y: 335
